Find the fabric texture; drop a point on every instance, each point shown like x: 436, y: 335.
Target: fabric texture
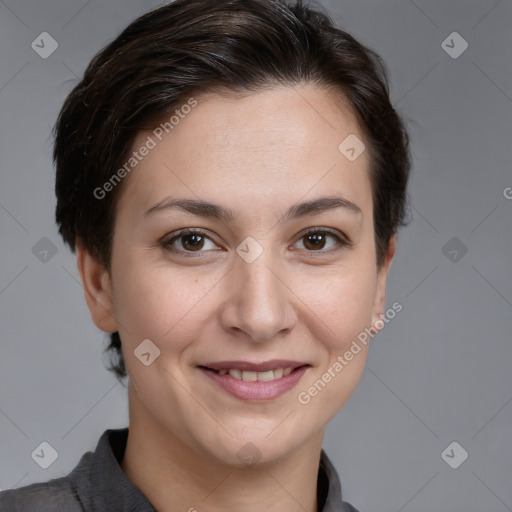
x: 98, y: 484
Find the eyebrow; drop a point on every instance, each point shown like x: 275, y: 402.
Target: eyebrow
x: 211, y: 210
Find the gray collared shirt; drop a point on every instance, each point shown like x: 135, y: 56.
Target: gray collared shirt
x: 97, y: 483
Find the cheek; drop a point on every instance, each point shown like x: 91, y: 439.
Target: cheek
x: 158, y: 302
x: 345, y: 312
x: 162, y: 303
x: 343, y: 303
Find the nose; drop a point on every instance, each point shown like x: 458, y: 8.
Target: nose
x: 259, y: 306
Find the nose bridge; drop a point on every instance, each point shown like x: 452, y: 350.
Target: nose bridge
x: 261, y: 301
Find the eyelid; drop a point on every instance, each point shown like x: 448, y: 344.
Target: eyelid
x: 343, y: 240
x: 165, y: 242
x: 334, y: 232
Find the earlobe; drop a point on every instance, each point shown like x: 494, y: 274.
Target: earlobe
x: 97, y: 289
x: 380, y: 293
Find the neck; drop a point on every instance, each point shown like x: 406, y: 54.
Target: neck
x: 173, y: 476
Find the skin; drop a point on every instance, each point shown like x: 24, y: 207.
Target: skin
x: 256, y: 154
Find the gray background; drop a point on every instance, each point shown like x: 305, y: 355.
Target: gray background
x: 439, y: 372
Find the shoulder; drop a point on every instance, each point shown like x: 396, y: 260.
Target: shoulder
x: 348, y: 507
x: 329, y: 486
x: 93, y: 480
x: 52, y: 496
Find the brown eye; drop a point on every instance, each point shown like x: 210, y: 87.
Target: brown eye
x: 196, y: 241
x: 316, y: 240
x: 192, y: 242
x: 188, y: 240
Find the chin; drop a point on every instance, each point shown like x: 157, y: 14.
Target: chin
x: 248, y: 446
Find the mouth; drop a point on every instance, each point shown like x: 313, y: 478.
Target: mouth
x: 253, y: 376
x: 255, y: 381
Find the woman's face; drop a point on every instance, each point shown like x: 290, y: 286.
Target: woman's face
x: 252, y: 288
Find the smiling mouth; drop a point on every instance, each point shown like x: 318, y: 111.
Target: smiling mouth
x: 253, y: 376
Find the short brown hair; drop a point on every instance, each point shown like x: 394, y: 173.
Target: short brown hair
x: 192, y: 46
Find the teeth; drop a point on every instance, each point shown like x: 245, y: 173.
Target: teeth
x: 278, y: 373
x: 258, y: 376
x: 236, y: 374
x: 250, y: 376
x: 266, y: 376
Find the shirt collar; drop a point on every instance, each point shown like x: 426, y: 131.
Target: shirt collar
x: 101, y: 484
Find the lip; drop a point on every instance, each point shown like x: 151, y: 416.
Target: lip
x: 254, y: 367
x: 256, y: 391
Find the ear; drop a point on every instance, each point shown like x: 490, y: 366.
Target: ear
x: 380, y: 293
x: 97, y: 289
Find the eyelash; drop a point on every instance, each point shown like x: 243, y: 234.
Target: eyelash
x: 168, y: 241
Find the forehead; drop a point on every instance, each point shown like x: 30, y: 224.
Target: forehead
x: 254, y: 149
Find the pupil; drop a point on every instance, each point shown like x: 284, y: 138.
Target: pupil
x: 314, y: 240
x: 317, y: 238
x: 195, y: 244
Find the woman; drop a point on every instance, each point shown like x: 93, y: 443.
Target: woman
x: 232, y: 176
